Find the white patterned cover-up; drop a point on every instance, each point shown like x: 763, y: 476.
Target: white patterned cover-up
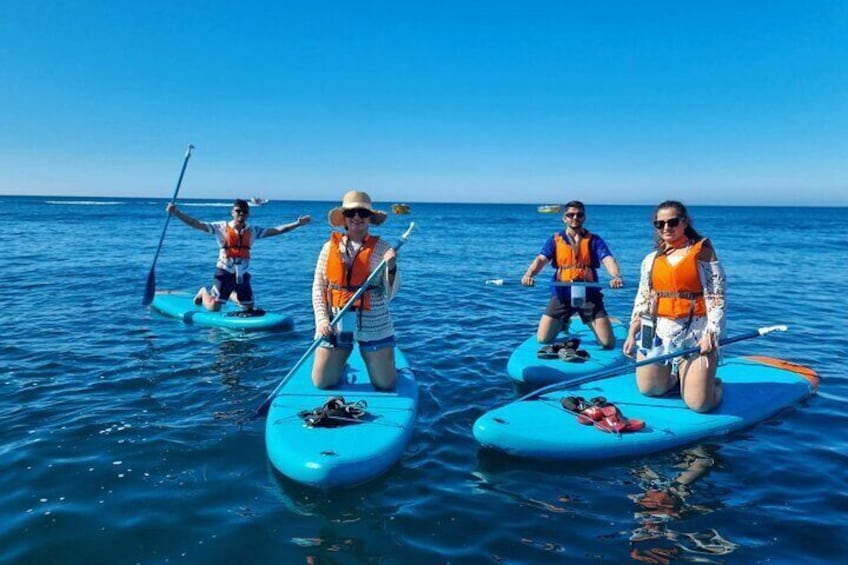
x: 683, y: 333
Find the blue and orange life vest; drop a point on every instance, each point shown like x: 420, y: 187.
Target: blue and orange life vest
x: 344, y: 278
x: 573, y: 261
x: 237, y: 245
x: 677, y: 288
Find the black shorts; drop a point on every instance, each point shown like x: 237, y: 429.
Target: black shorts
x: 225, y: 284
x: 591, y: 309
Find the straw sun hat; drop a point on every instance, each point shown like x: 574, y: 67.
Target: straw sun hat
x: 351, y: 201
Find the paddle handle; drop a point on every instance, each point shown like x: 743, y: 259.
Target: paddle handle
x: 263, y: 408
x: 649, y: 361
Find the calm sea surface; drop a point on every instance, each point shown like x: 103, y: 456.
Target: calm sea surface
x: 124, y: 437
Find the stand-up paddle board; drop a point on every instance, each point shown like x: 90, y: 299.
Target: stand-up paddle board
x: 350, y: 453
x: 526, y: 366
x: 181, y: 305
x: 755, y: 388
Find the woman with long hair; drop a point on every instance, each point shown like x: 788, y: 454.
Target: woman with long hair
x: 680, y: 303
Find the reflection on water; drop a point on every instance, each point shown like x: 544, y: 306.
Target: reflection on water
x: 671, y: 497
x: 233, y: 357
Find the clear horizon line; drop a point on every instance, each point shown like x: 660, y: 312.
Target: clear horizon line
x: 502, y: 203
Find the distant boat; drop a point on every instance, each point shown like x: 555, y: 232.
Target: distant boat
x: 400, y: 208
x: 548, y: 209
x: 257, y: 201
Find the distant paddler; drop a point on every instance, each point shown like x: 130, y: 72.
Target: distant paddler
x: 235, y: 239
x: 576, y: 254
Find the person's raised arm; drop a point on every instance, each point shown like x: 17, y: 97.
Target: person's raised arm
x: 172, y: 209
x: 285, y: 228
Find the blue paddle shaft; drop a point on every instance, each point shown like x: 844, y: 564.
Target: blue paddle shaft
x: 173, y: 199
x: 649, y: 361
x: 150, y: 287
x: 263, y: 409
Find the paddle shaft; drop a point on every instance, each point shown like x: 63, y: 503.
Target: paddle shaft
x: 263, y: 409
x: 648, y: 361
x: 151, y: 276
x: 501, y: 282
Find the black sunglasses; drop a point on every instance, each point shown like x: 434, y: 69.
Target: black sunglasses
x: 241, y: 211
x: 577, y: 215
x: 672, y: 223
x: 361, y: 212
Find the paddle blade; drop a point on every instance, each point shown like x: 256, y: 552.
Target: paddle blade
x: 150, y: 289
x: 262, y: 411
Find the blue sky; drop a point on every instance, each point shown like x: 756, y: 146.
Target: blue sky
x: 609, y: 102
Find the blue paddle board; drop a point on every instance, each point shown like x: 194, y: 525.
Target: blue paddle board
x: 526, y: 367
x: 349, y: 454
x: 755, y: 388
x: 181, y: 305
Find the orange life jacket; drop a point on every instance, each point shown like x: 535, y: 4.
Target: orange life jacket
x: 237, y: 244
x: 344, y: 279
x: 574, y: 263
x: 677, y: 288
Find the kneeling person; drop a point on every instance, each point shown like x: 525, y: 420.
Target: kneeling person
x: 576, y: 254
x: 235, y: 239
x: 344, y: 264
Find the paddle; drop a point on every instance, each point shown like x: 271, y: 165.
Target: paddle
x: 150, y: 289
x: 617, y: 370
x: 501, y: 282
x: 263, y: 409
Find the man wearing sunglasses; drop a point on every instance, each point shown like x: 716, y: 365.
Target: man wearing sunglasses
x: 576, y: 254
x: 235, y: 239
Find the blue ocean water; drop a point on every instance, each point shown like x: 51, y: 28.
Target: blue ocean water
x: 125, y: 440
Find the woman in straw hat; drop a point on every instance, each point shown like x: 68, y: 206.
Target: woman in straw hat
x: 344, y: 264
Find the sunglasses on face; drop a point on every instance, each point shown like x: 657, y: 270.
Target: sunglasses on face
x: 671, y: 222
x: 361, y: 212
x: 240, y: 212
x: 577, y: 215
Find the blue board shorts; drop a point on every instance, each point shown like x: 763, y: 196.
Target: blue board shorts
x: 226, y: 283
x: 365, y: 346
